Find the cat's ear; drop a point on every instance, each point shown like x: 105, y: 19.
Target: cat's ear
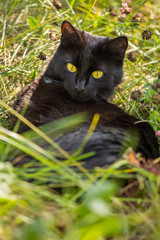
x: 118, y: 44
x: 67, y: 29
x: 70, y: 34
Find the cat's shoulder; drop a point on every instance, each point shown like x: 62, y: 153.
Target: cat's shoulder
x: 25, y: 94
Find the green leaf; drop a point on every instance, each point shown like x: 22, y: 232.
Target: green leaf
x: 32, y: 22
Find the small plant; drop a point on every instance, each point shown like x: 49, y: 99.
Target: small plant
x: 125, y: 10
x: 47, y: 198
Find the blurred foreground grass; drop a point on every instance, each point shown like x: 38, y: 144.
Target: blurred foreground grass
x: 90, y: 205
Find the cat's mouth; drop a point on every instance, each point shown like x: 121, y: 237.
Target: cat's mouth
x: 82, y: 97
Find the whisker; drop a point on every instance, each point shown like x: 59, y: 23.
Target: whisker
x: 48, y: 80
x: 96, y: 99
x: 57, y: 82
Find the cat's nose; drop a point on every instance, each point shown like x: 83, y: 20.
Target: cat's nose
x: 80, y: 85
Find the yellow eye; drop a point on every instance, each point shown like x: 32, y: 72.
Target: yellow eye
x: 71, y: 67
x: 97, y: 74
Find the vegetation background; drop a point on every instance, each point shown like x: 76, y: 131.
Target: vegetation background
x: 90, y: 205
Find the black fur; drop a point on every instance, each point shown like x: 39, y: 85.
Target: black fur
x: 54, y: 95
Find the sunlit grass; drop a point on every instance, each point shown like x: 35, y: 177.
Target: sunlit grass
x: 46, y: 198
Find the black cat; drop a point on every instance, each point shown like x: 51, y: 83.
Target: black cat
x: 80, y: 77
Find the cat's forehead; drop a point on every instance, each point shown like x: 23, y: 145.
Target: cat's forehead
x: 88, y: 54
x: 93, y: 40
x: 93, y: 48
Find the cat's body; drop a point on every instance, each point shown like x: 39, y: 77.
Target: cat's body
x: 80, y: 77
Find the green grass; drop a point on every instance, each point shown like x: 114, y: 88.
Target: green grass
x: 91, y: 205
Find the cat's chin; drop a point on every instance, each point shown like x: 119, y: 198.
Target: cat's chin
x: 80, y: 97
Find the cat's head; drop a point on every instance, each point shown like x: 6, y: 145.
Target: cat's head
x: 90, y: 66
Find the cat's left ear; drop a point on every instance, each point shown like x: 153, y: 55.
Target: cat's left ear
x: 119, y: 44
x: 70, y: 34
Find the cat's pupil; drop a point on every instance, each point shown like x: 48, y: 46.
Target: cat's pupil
x: 71, y: 67
x: 97, y: 74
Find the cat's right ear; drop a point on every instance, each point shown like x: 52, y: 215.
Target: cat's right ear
x: 118, y: 45
x: 70, y: 35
